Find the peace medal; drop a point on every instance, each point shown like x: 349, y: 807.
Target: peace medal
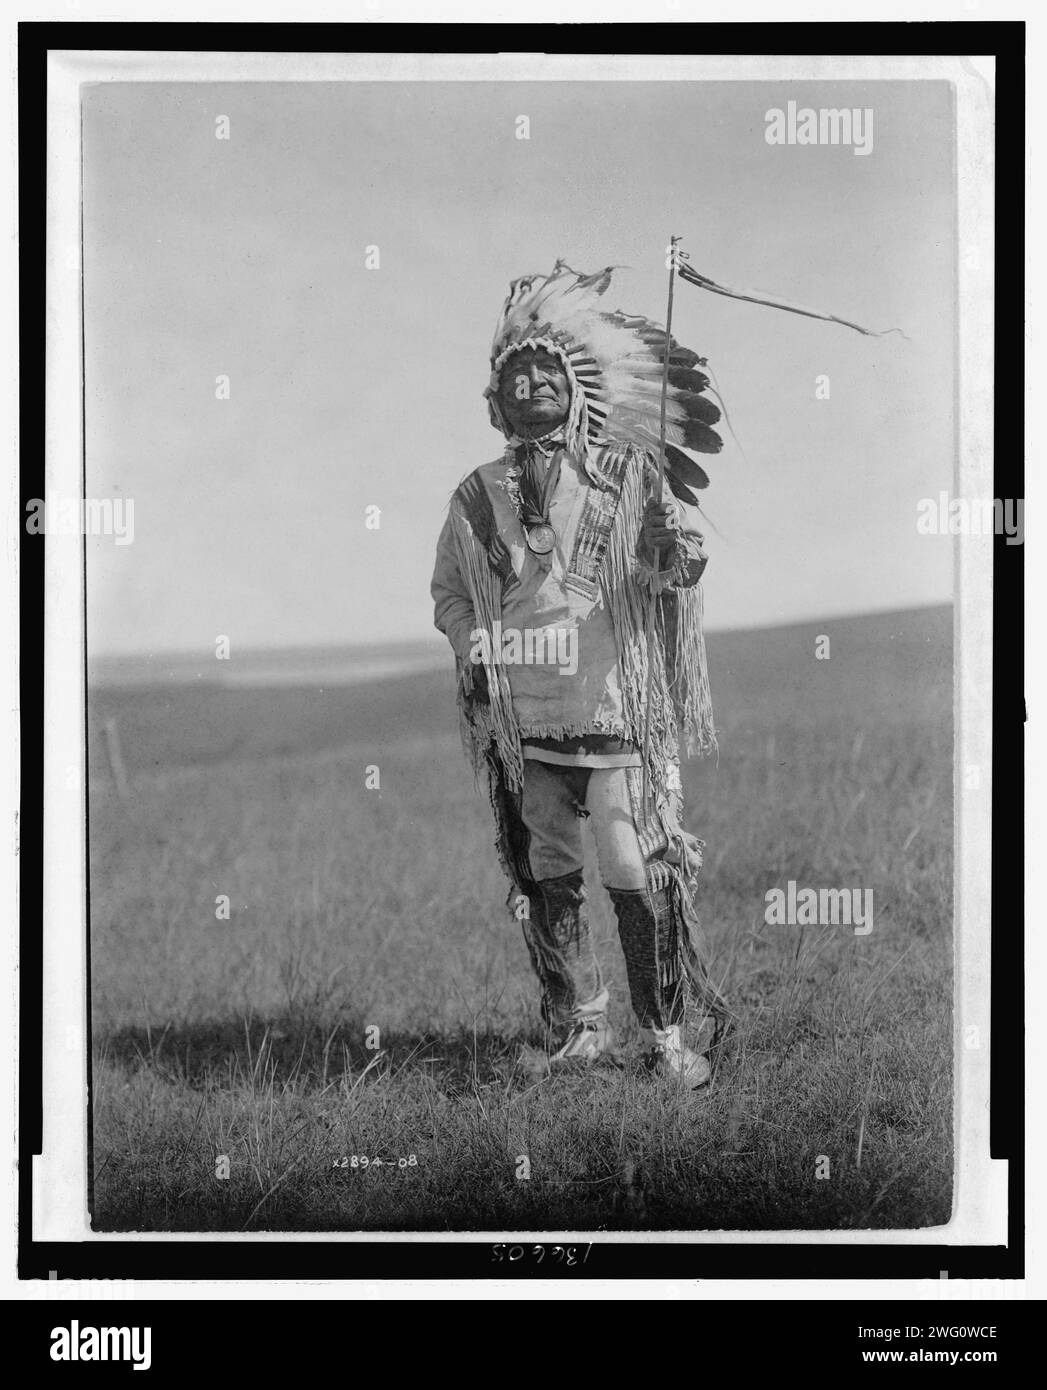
x: 541, y: 539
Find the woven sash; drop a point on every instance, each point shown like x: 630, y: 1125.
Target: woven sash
x: 594, y: 528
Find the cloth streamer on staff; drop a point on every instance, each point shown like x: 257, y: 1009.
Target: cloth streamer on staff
x: 692, y: 277
x: 678, y: 264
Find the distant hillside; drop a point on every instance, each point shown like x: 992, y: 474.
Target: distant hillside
x: 880, y: 666
x: 279, y: 666
x: 349, y: 665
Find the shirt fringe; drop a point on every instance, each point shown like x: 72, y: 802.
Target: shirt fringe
x: 681, y: 704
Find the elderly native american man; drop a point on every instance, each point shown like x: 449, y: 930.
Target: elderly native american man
x: 557, y: 540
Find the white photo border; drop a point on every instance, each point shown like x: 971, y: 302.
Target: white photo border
x: 59, y: 1179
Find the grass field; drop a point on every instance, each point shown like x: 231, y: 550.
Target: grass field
x: 353, y: 910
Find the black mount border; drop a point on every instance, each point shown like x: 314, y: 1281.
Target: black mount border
x: 472, y: 1258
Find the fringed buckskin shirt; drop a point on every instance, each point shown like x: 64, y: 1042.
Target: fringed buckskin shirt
x: 570, y: 620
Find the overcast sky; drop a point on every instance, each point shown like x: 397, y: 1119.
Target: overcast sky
x: 351, y: 386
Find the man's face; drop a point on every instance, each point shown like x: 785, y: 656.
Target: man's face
x: 534, y: 392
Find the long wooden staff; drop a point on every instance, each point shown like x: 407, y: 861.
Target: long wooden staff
x: 652, y: 606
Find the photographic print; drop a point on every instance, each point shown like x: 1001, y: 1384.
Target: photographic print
x: 521, y: 525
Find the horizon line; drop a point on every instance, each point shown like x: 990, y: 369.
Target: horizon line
x: 438, y: 640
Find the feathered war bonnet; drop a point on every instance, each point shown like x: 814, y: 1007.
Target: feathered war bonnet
x: 614, y: 365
